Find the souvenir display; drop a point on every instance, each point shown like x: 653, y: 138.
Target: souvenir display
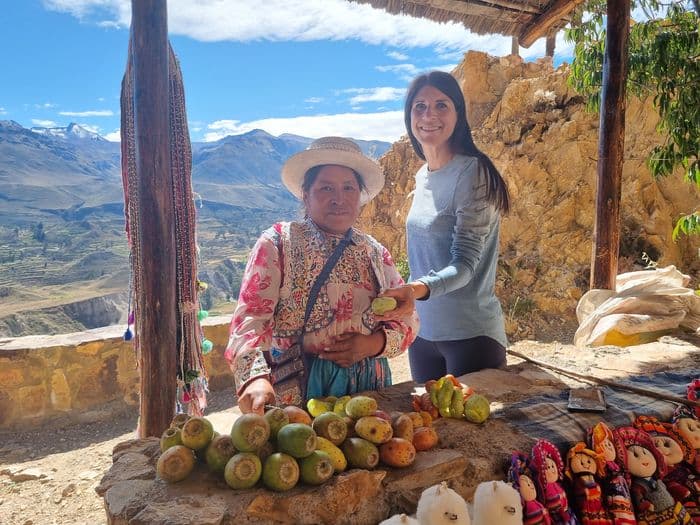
x: 653, y: 504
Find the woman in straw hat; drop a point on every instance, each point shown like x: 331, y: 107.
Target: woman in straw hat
x: 303, y: 327
x: 452, y: 236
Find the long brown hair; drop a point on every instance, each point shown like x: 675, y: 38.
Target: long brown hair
x: 461, y: 140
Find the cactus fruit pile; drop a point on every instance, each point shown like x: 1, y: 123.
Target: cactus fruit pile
x: 447, y: 397
x: 289, y: 445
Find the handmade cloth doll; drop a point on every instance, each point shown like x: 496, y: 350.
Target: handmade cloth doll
x: 645, y: 465
x: 616, y: 491
x: 521, y: 477
x: 548, y: 468
x: 679, y: 456
x: 685, y: 423
x: 582, y: 467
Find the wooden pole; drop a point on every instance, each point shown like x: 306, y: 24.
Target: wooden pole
x: 611, y: 145
x: 514, y: 46
x: 550, y: 44
x: 155, y: 320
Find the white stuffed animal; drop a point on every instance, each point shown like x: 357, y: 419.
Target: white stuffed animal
x: 440, y: 505
x: 497, y: 503
x: 400, y: 519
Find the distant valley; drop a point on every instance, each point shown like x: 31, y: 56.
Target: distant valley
x: 63, y: 251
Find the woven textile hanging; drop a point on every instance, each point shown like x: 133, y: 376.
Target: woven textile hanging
x: 191, y: 373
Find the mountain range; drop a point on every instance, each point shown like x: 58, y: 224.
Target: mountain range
x: 62, y: 213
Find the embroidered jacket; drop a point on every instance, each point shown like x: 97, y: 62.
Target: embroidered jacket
x: 281, y: 269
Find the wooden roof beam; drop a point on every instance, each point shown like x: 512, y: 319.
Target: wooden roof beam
x: 543, y: 24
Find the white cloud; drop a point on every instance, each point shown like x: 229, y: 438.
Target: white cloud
x: 94, y: 113
x: 313, y: 100
x: 45, y: 105
x: 44, y: 123
x: 400, y: 69
x: 286, y: 20
x: 397, y: 56
x: 377, y: 94
x: 3, y: 111
x: 387, y: 126
x: 114, y: 136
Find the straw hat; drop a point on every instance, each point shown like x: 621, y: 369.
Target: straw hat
x: 333, y: 150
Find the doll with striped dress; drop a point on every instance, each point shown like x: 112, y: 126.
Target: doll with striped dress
x: 653, y: 504
x: 616, y: 491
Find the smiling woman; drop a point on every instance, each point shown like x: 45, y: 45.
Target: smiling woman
x: 303, y: 326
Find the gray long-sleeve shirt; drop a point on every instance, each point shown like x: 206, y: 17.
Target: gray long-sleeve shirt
x: 452, y: 233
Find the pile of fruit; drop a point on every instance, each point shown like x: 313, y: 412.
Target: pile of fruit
x: 288, y: 445
x: 447, y: 397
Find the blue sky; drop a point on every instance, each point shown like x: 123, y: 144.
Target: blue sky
x: 309, y: 67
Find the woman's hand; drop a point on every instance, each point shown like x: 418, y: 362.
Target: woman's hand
x: 255, y: 396
x: 350, y: 348
x: 405, y: 296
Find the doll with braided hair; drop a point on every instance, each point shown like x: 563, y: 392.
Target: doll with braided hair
x: 520, y: 475
x: 645, y: 465
x: 583, y: 465
x: 616, y: 491
x: 548, y: 468
x: 679, y: 456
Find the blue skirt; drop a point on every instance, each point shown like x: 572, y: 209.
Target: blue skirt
x: 328, y: 379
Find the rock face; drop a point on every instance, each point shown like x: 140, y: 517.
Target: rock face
x: 538, y: 133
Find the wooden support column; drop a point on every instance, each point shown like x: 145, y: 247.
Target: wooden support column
x: 514, y: 46
x: 550, y: 44
x: 155, y: 318
x: 611, y: 145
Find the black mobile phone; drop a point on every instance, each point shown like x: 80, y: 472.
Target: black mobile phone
x: 590, y: 399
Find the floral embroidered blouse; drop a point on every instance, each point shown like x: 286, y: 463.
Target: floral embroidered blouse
x: 281, y: 270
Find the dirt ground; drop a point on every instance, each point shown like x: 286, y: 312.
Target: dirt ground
x: 48, y: 476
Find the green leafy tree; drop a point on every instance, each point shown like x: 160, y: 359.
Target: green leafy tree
x: 664, y: 62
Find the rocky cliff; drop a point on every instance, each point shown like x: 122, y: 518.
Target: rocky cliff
x: 540, y: 136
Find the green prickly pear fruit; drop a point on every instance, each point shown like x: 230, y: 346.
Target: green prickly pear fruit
x: 197, y: 433
x: 280, y: 472
x: 297, y: 440
x: 382, y: 305
x: 330, y: 426
x: 171, y: 437
x: 316, y: 468
x: 218, y: 452
x: 250, y: 432
x: 360, y: 453
x: 175, y: 464
x: 360, y: 406
x: 243, y: 470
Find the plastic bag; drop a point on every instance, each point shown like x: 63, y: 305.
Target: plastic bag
x: 644, y: 306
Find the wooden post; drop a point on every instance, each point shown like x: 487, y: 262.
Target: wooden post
x: 514, y: 46
x: 550, y: 44
x: 155, y: 321
x: 611, y: 145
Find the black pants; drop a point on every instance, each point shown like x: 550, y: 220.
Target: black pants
x: 434, y: 359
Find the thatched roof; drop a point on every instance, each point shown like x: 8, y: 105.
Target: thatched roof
x: 526, y: 19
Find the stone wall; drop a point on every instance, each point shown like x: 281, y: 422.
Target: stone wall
x: 83, y: 376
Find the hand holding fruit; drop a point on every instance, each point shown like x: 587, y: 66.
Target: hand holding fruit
x: 405, y: 303
x: 256, y: 395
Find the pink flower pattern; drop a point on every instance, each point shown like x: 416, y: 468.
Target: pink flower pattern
x: 281, y: 269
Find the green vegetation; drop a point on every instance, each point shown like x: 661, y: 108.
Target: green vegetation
x: 56, y: 261
x: 664, y: 63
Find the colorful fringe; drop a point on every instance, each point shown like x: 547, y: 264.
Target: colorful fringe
x: 191, y: 373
